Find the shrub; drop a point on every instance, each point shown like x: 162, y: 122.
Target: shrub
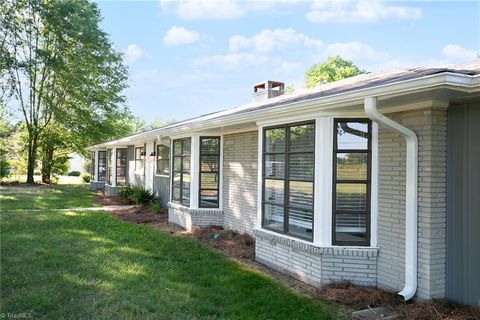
x: 74, y: 174
x: 139, y: 195
x: 86, y: 177
x: 155, y: 207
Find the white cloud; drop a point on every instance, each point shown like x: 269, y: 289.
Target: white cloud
x: 134, y: 53
x: 176, y: 36
x: 353, y: 51
x: 459, y: 53
x: 204, y: 9
x: 270, y: 40
x: 358, y: 11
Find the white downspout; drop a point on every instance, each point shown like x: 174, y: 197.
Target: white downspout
x: 370, y: 105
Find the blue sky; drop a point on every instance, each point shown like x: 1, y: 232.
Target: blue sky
x: 194, y: 57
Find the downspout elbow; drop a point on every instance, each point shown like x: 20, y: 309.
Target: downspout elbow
x: 411, y: 242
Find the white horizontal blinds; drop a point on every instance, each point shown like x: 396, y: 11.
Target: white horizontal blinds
x: 288, y: 181
x: 351, y: 200
x: 102, y: 165
x: 163, y: 160
x: 181, y: 171
x: 209, y: 172
x: 121, y: 166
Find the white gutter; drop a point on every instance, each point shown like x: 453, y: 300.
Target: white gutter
x: 370, y: 105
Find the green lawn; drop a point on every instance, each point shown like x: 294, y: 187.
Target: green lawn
x: 45, y: 197
x: 90, y: 265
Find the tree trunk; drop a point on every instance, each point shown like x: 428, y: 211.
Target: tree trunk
x: 32, y: 157
x: 47, y: 163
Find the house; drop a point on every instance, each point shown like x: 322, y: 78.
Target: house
x: 372, y: 179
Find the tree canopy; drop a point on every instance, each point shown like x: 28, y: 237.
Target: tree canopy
x: 335, y: 68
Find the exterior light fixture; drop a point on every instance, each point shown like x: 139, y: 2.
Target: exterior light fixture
x: 142, y: 155
x: 152, y: 155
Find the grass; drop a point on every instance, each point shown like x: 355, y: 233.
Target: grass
x: 45, y: 197
x: 90, y: 265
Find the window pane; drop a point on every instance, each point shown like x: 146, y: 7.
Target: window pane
x: 275, y: 140
x: 352, y: 166
x: 209, y: 181
x: 186, y: 180
x: 177, y: 163
x: 351, y: 197
x: 186, y: 164
x: 273, y: 216
x: 177, y: 147
x: 301, y: 166
x: 176, y: 179
x: 209, y: 163
x: 275, y: 165
x: 274, y: 191
x: 186, y: 146
x: 186, y: 197
x: 163, y: 166
x: 301, y: 194
x: 209, y: 198
x: 352, y: 135
x: 176, y: 194
x: 163, y: 152
x: 210, y: 146
x: 300, y: 223
x: 302, y: 138
x: 351, y: 227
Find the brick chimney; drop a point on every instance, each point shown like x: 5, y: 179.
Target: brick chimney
x: 268, y: 89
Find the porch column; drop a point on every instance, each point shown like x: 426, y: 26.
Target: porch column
x: 114, y: 167
x: 95, y: 169
x: 194, y: 171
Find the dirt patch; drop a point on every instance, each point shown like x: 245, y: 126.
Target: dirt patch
x: 358, y: 298
x: 104, y: 200
x: 141, y: 215
x: 232, y: 243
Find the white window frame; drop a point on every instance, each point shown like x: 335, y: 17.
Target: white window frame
x: 322, y: 221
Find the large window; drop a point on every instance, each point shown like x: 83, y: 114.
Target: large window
x: 102, y: 165
x: 351, y: 182
x: 109, y: 166
x: 288, y: 179
x: 163, y: 160
x: 181, y: 171
x: 140, y: 160
x: 209, y: 172
x: 121, y: 166
x: 92, y: 169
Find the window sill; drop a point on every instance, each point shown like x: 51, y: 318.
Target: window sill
x: 162, y: 175
x: 312, y: 248
x: 181, y: 207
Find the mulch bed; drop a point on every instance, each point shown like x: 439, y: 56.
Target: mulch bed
x: 349, y: 297
x: 359, y: 298
x: 104, y: 200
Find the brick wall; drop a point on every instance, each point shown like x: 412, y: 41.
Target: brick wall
x: 316, y: 265
x: 188, y: 218
x: 430, y: 127
x: 240, y: 154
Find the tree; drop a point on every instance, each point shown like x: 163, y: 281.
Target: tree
x: 63, y: 72
x: 335, y: 68
x: 139, y: 125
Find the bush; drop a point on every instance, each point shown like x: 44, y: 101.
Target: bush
x: 139, y: 195
x: 74, y: 174
x: 86, y: 177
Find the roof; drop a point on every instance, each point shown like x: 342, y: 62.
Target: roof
x: 364, y: 81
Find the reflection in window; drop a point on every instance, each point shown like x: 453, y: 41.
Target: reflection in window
x: 102, y: 165
x: 163, y: 159
x: 181, y: 171
x: 209, y: 172
x: 121, y: 166
x: 351, y: 196
x: 288, y: 176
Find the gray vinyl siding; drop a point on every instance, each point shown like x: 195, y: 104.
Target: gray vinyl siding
x: 161, y: 189
x: 463, y: 211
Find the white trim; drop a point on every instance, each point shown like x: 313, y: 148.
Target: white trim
x: 95, y: 170
x: 157, y: 143
x: 374, y: 187
x: 194, y: 170
x: 220, y: 185
x: 171, y: 172
x: 259, y: 177
x: 135, y: 171
x: 114, y: 166
x: 323, y: 181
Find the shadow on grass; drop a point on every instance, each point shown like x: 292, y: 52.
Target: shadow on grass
x: 91, y: 265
